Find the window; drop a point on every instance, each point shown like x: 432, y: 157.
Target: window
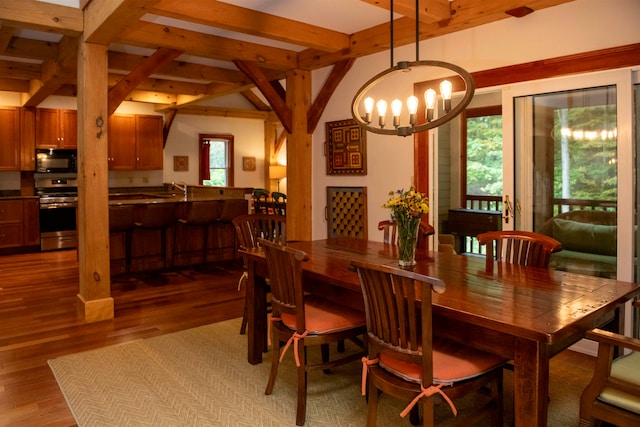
x: 216, y: 160
x: 482, y: 159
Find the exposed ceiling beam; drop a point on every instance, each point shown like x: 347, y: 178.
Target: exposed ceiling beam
x: 430, y: 10
x: 105, y: 20
x: 118, y: 93
x: 55, y: 74
x: 42, y: 16
x: 272, y: 95
x: 247, y: 21
x: 149, y: 35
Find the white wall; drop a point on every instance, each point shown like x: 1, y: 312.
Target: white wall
x: 183, y: 141
x: 579, y: 26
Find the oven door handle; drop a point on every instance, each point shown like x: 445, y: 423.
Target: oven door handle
x: 58, y: 205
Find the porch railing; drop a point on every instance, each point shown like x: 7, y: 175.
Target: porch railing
x: 494, y: 203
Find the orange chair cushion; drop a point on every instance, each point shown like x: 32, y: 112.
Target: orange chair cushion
x: 323, y: 316
x: 452, y: 362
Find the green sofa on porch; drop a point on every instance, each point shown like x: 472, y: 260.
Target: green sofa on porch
x: 589, y: 242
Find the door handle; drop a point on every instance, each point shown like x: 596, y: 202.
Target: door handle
x: 508, y: 209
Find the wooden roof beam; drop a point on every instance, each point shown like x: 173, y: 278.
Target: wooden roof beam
x: 430, y: 10
x: 233, y: 18
x: 42, y: 16
x: 55, y: 74
x: 159, y: 58
x: 272, y: 95
x: 105, y: 20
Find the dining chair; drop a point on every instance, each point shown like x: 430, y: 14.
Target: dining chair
x: 613, y: 395
x: 406, y: 360
x: 302, y: 320
x: 518, y: 247
x: 260, y: 200
x: 389, y: 229
x: 279, y: 203
x: 249, y: 228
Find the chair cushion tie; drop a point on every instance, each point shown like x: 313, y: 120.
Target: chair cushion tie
x: 427, y: 392
x: 295, y: 338
x: 365, y: 369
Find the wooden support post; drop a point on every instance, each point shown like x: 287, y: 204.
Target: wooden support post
x: 95, y: 302
x: 299, y: 153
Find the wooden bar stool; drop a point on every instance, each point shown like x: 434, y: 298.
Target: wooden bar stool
x: 122, y: 220
x: 159, y: 216
x: 202, y: 214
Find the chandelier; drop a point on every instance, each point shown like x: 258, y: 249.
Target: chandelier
x: 364, y: 101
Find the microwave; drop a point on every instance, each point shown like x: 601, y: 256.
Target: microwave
x: 51, y: 160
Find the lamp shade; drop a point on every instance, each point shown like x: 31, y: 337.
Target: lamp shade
x: 277, y: 172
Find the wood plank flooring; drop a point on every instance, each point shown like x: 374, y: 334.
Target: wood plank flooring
x: 39, y: 321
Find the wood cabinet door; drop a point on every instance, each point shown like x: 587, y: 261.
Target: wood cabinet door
x: 122, y: 142
x: 47, y: 128
x: 149, y: 146
x: 9, y: 139
x: 68, y: 120
x: 27, y: 139
x: 31, y: 226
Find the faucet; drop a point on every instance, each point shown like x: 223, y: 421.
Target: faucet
x: 181, y: 186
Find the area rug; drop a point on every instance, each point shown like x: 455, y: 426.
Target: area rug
x: 200, y: 377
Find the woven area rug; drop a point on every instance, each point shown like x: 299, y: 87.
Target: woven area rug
x: 200, y: 377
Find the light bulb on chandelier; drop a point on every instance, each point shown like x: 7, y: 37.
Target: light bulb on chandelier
x: 363, y: 96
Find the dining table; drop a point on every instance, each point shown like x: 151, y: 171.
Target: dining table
x: 525, y: 314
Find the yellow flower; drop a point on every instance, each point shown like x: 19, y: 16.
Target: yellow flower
x: 407, y: 204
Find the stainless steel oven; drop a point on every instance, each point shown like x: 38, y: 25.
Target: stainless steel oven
x: 58, y: 210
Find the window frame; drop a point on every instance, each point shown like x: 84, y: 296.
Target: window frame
x: 204, y: 163
x: 469, y: 113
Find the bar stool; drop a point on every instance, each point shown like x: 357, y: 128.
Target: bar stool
x: 122, y: 220
x: 158, y: 216
x: 202, y: 214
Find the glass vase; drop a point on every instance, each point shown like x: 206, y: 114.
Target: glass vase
x: 407, y: 241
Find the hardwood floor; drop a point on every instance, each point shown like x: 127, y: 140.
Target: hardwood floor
x: 38, y: 321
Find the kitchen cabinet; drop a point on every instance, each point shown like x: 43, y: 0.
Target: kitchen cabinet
x: 122, y: 142
x: 135, y: 142
x: 149, y: 145
x: 56, y: 128
x: 9, y: 138
x: 19, y: 223
x: 27, y: 139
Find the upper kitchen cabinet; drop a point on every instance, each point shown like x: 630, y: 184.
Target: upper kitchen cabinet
x: 9, y: 138
x: 149, y: 147
x: 135, y: 142
x: 56, y: 128
x: 27, y: 139
x: 122, y: 142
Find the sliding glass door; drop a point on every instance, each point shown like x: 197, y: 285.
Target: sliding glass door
x: 572, y: 171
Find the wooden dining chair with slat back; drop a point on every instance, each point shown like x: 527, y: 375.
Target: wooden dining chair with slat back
x: 304, y: 320
x: 613, y: 395
x: 251, y: 227
x: 389, y: 230
x: 279, y: 203
x: 405, y: 360
x: 260, y: 200
x: 518, y: 247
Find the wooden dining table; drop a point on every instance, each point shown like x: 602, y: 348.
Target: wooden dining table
x: 524, y: 314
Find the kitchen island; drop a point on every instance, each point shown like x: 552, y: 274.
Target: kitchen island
x: 165, y: 228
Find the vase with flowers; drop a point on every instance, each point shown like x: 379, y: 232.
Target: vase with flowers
x: 407, y: 208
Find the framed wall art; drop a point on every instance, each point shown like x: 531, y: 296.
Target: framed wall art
x: 181, y: 163
x: 346, y: 148
x: 248, y: 163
